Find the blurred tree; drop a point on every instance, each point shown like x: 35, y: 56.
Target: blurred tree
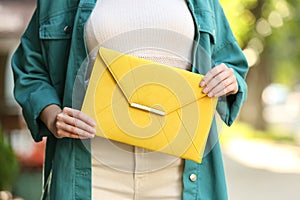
x: 286, y: 42
x: 9, y: 164
x: 267, y: 30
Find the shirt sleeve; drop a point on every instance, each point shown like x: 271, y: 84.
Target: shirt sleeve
x: 33, y: 89
x: 227, y: 51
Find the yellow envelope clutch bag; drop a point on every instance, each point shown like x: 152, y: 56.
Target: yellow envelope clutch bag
x: 149, y: 105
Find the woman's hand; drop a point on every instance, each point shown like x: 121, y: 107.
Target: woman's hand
x: 219, y: 81
x: 68, y: 122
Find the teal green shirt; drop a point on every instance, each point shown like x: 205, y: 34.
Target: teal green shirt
x: 45, y: 65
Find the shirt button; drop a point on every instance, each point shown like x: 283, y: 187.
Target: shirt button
x: 67, y: 29
x: 193, y: 177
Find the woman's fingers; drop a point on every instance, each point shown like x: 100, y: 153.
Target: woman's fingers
x: 211, y: 74
x: 64, y: 134
x: 76, y: 120
x: 222, y: 91
x: 77, y: 132
x: 219, y: 81
x: 74, y: 124
x: 79, y: 115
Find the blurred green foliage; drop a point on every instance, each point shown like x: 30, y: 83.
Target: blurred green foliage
x: 240, y: 18
x: 272, y: 26
x: 8, y: 164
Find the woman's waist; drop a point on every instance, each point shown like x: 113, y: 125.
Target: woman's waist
x: 131, y: 159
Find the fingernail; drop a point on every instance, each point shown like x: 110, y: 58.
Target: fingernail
x: 202, y: 83
x: 210, y: 94
x: 205, y: 90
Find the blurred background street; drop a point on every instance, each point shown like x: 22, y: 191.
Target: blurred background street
x: 261, y: 150
x: 248, y: 183
x: 260, y: 169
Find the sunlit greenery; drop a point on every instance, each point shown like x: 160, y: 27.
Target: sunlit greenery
x: 9, y: 164
x: 240, y: 17
x: 246, y: 131
x: 274, y: 25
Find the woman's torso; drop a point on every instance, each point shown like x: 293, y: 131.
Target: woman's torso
x: 161, y: 31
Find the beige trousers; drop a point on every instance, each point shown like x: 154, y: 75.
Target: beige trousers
x: 125, y: 172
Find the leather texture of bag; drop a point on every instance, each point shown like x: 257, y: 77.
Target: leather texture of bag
x: 149, y: 105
